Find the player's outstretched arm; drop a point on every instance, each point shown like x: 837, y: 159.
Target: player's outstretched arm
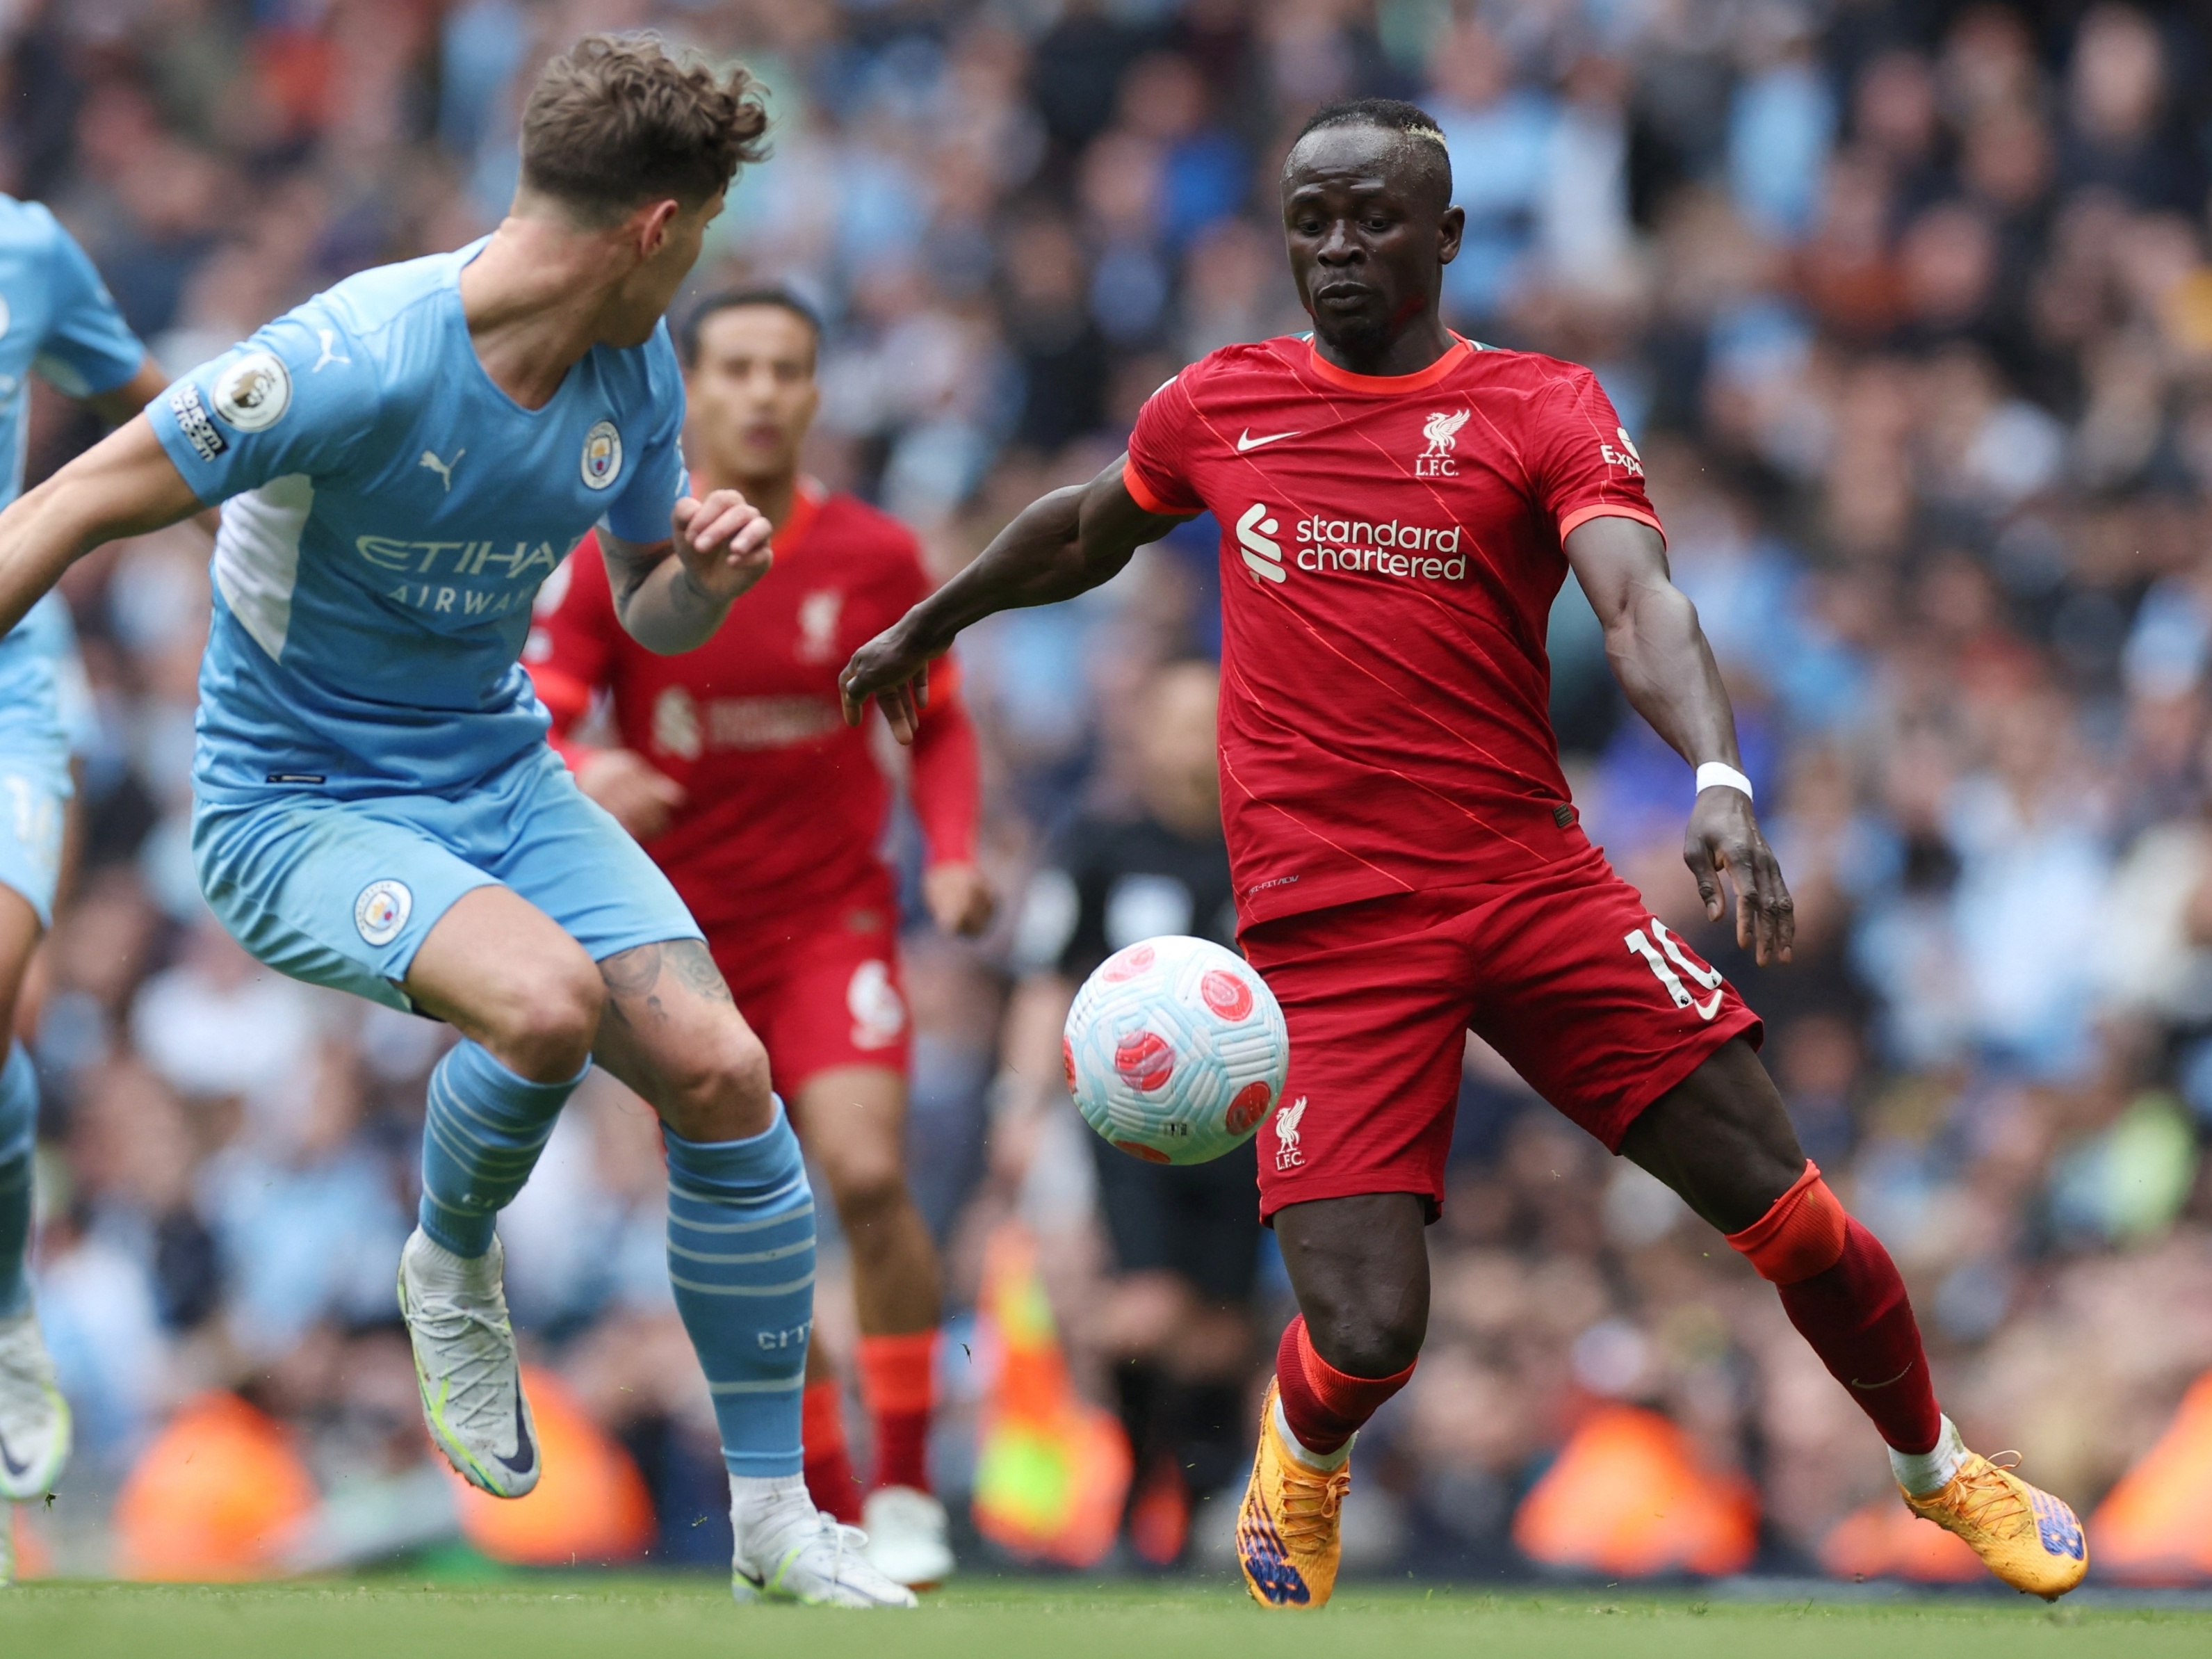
x: 1057, y: 546
x: 1660, y: 655
x: 124, y: 485
x: 671, y: 596
x: 119, y: 404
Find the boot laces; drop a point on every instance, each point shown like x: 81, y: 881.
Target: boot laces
x: 1311, y: 1501
x: 473, y: 1338
x: 1989, y: 1502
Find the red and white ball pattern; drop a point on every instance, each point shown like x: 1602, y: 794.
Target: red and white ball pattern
x: 1176, y: 1050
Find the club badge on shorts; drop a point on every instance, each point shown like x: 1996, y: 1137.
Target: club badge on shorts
x: 382, y: 910
x: 602, y: 462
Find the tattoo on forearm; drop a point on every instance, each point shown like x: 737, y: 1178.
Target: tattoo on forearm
x: 631, y: 577
x: 685, y: 594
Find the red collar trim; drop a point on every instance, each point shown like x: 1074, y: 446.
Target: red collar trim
x: 806, y: 499
x: 1420, y: 380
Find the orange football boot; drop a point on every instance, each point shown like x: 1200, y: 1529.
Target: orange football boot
x: 2027, y: 1537
x: 1287, y: 1538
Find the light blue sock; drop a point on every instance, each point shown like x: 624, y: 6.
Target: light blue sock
x: 19, y: 1139
x: 741, y: 1257
x: 480, y: 1141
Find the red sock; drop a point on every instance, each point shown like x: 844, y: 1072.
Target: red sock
x: 1857, y: 1318
x: 1325, y: 1406
x: 898, y: 1384
x: 830, y: 1482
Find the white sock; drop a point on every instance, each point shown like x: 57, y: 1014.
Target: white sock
x: 1323, y: 1461
x: 768, y: 1502
x: 1922, y: 1472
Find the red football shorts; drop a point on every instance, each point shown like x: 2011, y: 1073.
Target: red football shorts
x: 821, y: 989
x: 1590, y: 998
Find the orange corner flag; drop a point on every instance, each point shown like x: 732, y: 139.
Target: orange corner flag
x: 2154, y: 1527
x: 213, y: 1497
x: 1626, y: 1497
x: 590, y: 1505
x: 1885, y: 1540
x: 1052, y: 1469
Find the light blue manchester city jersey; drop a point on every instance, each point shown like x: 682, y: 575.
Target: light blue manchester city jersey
x: 390, y: 515
x: 55, y: 321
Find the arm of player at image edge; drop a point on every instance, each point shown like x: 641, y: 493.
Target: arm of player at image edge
x: 1660, y: 655
x: 1061, y: 544
x: 116, y: 405
x: 569, y: 658
x: 671, y: 604
x: 641, y: 797
x: 124, y: 485
x: 946, y: 789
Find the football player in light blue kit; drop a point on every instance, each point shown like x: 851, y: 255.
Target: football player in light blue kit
x: 403, y: 461
x: 55, y: 321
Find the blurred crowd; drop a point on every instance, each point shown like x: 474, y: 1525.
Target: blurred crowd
x: 1909, y: 308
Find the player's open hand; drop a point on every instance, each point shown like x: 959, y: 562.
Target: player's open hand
x: 723, y: 541
x: 1724, y: 837
x: 959, y: 898
x: 641, y: 798
x: 893, y: 671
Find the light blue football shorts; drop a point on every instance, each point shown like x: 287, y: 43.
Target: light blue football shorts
x: 42, y: 702
x: 35, y: 797
x: 342, y: 893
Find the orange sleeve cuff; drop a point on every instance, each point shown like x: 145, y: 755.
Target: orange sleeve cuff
x: 1141, y: 491
x: 1801, y: 1234
x: 1582, y: 515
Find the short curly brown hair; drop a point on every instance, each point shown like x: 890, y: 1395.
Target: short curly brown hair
x: 618, y: 120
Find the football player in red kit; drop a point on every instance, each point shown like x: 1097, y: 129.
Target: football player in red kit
x: 737, y: 772
x: 1399, y: 505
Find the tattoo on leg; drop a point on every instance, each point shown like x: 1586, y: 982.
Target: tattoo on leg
x: 631, y: 975
x: 690, y: 960
x: 634, y: 974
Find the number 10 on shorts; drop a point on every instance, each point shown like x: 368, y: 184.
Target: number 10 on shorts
x: 1665, y: 969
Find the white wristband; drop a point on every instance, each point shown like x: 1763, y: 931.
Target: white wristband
x: 1719, y: 775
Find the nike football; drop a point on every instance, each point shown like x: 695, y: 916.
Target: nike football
x: 1176, y: 1050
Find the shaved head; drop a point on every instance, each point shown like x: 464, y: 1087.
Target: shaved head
x: 1411, y: 146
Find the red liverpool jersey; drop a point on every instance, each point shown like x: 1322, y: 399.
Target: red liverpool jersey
x: 1390, y: 549
x: 785, y: 803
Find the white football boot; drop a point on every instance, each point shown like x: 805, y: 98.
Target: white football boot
x: 465, y: 1365
x: 789, y: 1550
x: 34, y: 1418
x: 908, y: 1539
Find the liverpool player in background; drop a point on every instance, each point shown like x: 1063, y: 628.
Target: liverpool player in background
x: 765, y: 812
x: 1399, y: 506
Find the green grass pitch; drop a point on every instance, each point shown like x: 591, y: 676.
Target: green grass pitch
x: 674, y: 1618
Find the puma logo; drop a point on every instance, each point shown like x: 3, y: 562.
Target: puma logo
x: 330, y: 353
x: 443, y: 469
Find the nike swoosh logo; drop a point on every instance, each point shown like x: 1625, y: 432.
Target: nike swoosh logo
x: 1245, y: 439
x: 1868, y: 1388
x: 16, y: 1471
x: 525, y: 1454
